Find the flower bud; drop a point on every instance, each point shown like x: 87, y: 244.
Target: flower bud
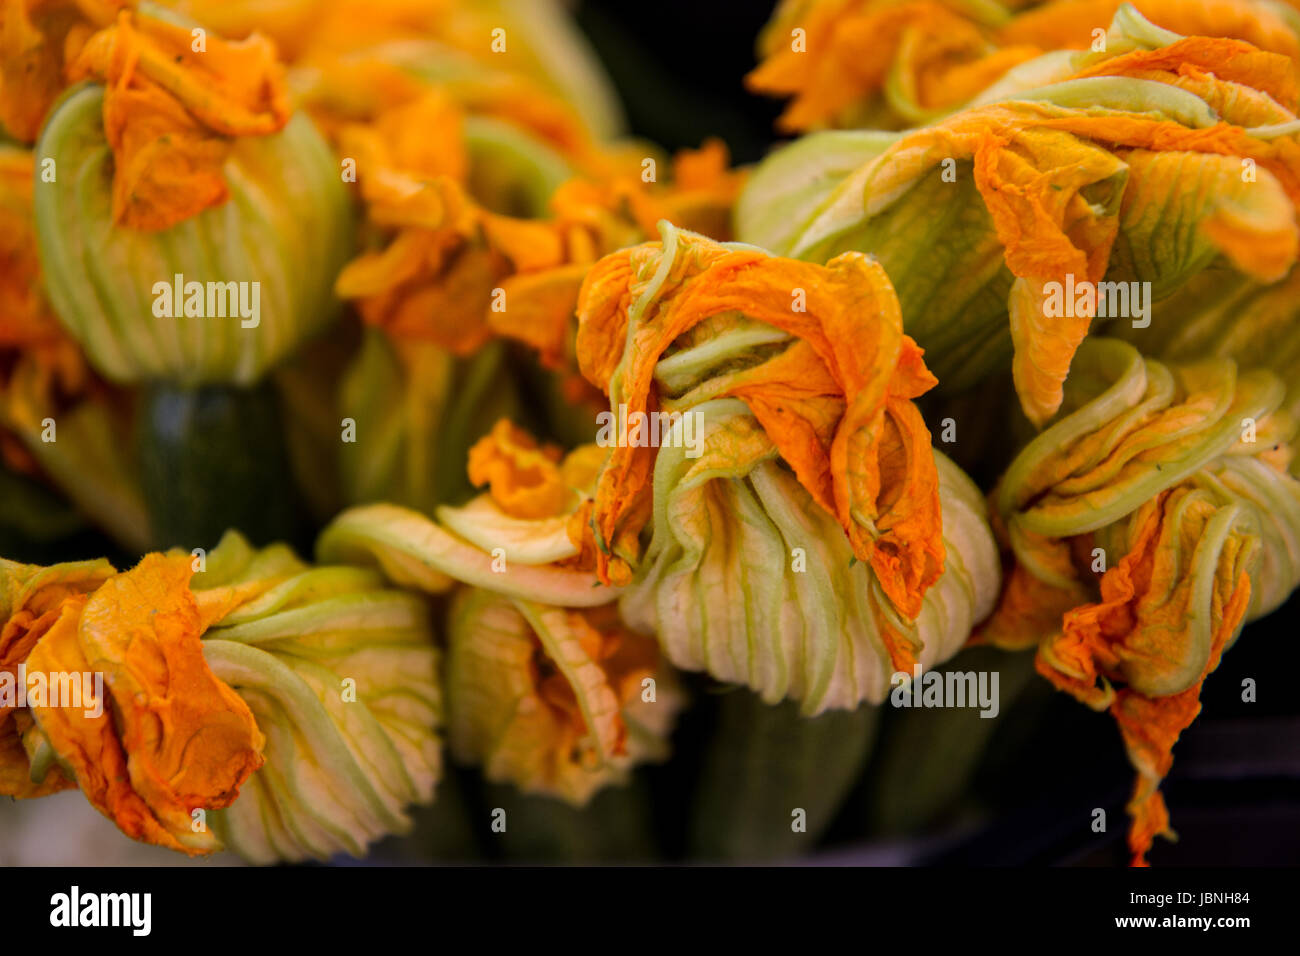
x: 195, y: 228
x: 216, y: 665
x: 547, y: 688
x: 1148, y: 524
x: 556, y: 701
x: 796, y: 519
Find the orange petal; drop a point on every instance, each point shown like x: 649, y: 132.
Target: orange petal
x: 524, y: 480
x: 169, y: 111
x: 175, y: 738
x: 541, y: 311
x: 1144, y: 632
x: 1068, y: 24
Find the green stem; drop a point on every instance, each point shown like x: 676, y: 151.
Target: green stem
x: 614, y: 827
x: 214, y: 458
x: 763, y: 765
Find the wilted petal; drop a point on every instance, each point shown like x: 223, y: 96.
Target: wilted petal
x: 1155, y: 523
x: 176, y: 739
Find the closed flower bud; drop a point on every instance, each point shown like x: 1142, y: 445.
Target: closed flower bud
x: 547, y: 687
x: 794, y: 519
x: 557, y: 701
x: 194, y: 227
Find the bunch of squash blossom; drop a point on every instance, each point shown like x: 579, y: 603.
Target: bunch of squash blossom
x: 1160, y: 154
x: 815, y: 547
x: 454, y: 177
x: 165, y: 127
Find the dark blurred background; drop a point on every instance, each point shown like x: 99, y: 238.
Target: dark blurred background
x: 679, y: 67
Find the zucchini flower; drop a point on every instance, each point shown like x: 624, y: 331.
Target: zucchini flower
x: 58, y: 420
x: 1066, y: 192
x: 175, y: 739
x: 787, y: 472
x: 547, y: 688
x: 553, y: 699
x: 880, y: 63
x: 206, y: 249
x: 1151, y: 520
x: 321, y: 677
x: 888, y: 64
x: 539, y: 43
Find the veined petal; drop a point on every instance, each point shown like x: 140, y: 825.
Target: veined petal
x: 414, y: 551
x: 746, y: 578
